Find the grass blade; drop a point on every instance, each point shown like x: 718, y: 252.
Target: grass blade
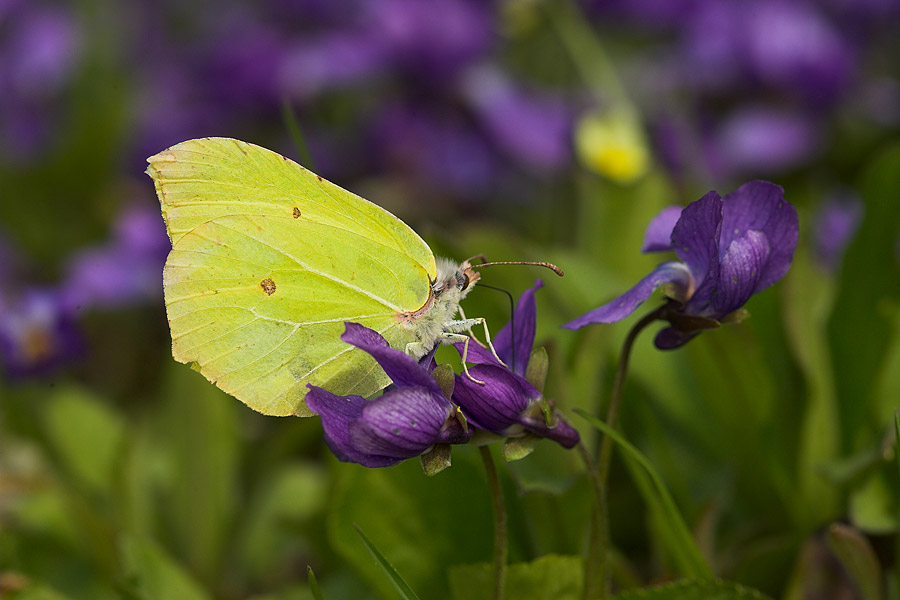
x: 685, y: 551
x: 401, y: 586
x: 313, y: 584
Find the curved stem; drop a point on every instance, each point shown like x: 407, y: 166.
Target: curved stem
x: 596, y: 580
x: 615, y: 399
x: 500, y: 546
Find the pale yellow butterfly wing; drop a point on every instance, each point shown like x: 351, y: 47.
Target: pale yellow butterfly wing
x: 268, y: 262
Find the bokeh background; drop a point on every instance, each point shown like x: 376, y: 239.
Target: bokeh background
x: 522, y: 129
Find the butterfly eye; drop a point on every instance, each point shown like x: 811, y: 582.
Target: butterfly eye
x: 462, y: 281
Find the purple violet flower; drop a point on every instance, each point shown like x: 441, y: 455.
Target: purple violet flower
x: 37, y: 333
x: 402, y: 423
x: 507, y: 404
x: 835, y: 224
x: 731, y: 248
x: 126, y: 270
x: 755, y: 139
x: 534, y: 129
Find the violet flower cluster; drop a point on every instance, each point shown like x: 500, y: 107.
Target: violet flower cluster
x: 415, y: 416
x: 762, y: 80
x: 730, y: 248
x: 39, y: 323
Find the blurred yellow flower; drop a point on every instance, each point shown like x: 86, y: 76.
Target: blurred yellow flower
x: 612, y: 144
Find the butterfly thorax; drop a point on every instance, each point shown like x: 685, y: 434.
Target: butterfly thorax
x: 453, y: 282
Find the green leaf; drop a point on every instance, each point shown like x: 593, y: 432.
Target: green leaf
x: 866, y: 304
x: 86, y: 435
x: 682, y: 547
x: 34, y: 591
x: 396, y: 580
x: 810, y: 295
x: 423, y: 523
x: 897, y: 436
x: 199, y: 425
x: 550, y: 577
x: 688, y: 589
x: 276, y: 520
x: 314, y: 584
x: 873, y: 506
x: 858, y: 558
x: 155, y: 575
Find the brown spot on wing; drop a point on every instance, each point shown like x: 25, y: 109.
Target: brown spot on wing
x: 319, y: 177
x: 296, y: 213
x: 268, y: 286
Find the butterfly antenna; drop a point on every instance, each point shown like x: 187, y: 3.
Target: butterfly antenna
x: 512, y: 317
x: 550, y: 266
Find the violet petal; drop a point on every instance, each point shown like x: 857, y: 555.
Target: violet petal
x: 525, y: 319
x: 401, y: 423
x: 695, y: 236
x: 402, y: 368
x: 671, y: 272
x: 658, y: 237
x: 740, y: 271
x: 561, y: 433
x: 337, y: 413
x: 760, y: 206
x: 670, y: 338
x: 499, y: 402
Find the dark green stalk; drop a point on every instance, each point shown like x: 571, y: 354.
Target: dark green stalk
x: 501, y: 549
x: 615, y: 399
x: 596, y: 580
x: 595, y: 564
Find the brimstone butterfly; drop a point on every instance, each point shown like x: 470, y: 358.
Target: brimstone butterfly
x: 269, y: 260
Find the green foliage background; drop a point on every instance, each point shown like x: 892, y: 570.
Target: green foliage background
x: 129, y: 476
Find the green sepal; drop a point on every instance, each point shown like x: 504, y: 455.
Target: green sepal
x: 518, y: 448
x: 538, y: 365
x: 458, y: 413
x: 690, y: 323
x: 738, y: 316
x: 436, y: 460
x: 445, y: 378
x: 541, y: 407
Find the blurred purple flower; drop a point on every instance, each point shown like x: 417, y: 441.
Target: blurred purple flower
x: 786, y: 45
x: 506, y: 403
x: 536, y: 130
x: 37, y: 332
x: 835, y: 224
x: 39, y: 50
x: 438, y: 148
x: 330, y: 61
x: 756, y: 139
x: 731, y: 248
x: 402, y: 423
x: 124, y: 271
x: 432, y: 40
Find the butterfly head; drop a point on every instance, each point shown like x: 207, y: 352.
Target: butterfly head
x: 453, y: 279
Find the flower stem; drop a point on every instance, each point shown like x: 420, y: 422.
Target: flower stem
x: 596, y: 580
x: 595, y: 564
x: 501, y: 549
x: 615, y: 399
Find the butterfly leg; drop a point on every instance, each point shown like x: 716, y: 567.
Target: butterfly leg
x: 462, y: 314
x: 467, y: 324
x: 449, y: 337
